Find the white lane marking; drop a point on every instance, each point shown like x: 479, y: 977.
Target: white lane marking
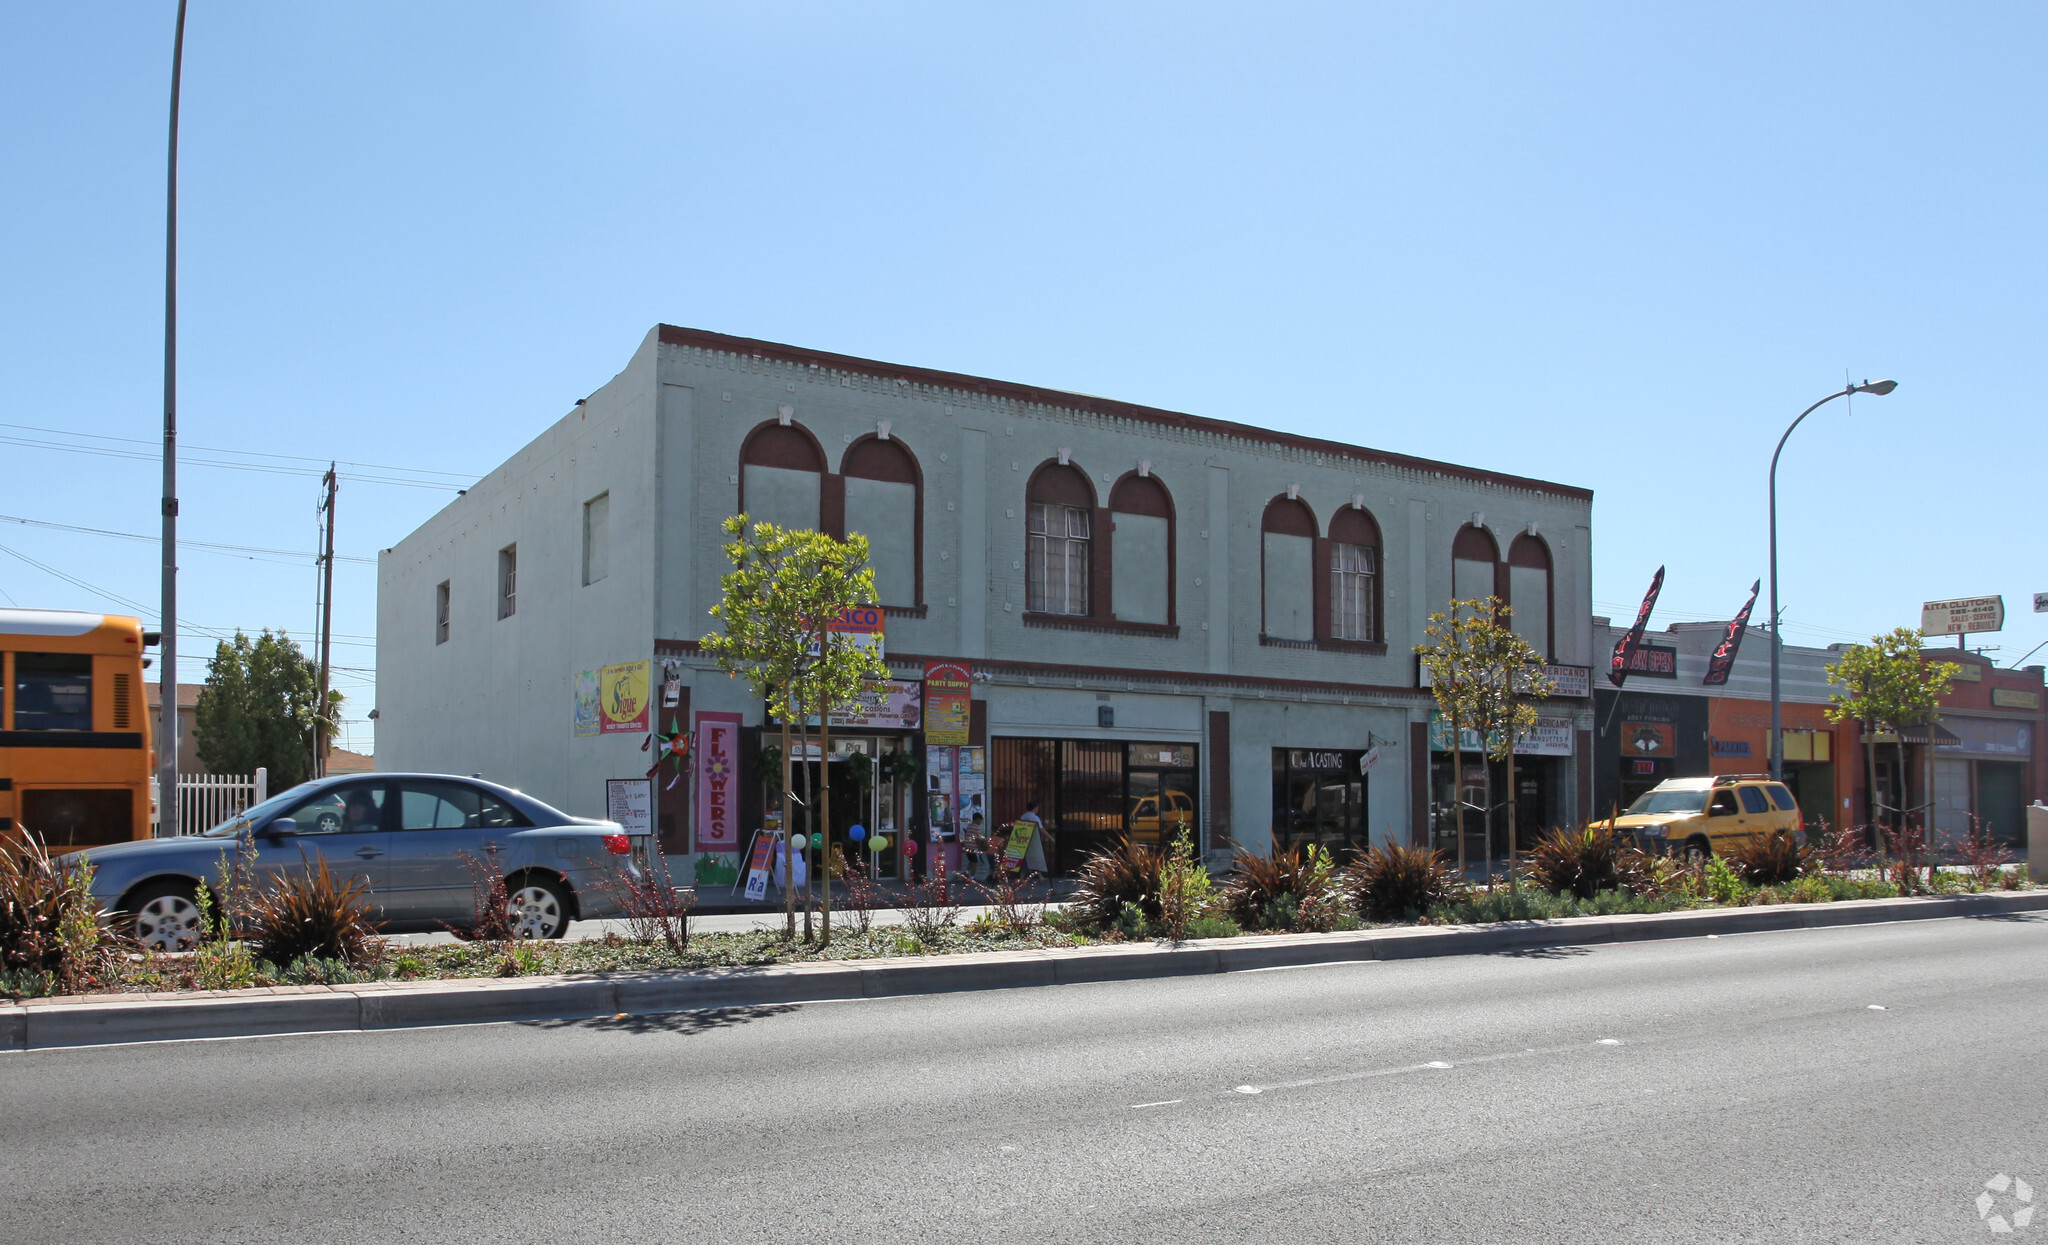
x: 1434, y: 1065
x: 1140, y: 1106
x: 1878, y: 1007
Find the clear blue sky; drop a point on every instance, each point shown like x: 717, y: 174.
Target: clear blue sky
x: 1614, y: 245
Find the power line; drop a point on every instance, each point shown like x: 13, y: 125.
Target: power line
x: 213, y: 449
x: 256, y: 468
x: 182, y: 544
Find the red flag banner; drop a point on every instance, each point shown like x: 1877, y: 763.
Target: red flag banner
x: 1723, y: 659
x: 1625, y: 650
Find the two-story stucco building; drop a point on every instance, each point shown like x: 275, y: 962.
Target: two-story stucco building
x: 1162, y: 616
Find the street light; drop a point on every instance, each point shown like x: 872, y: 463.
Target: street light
x: 1880, y: 388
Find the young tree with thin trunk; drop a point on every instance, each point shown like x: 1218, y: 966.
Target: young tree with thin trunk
x: 786, y: 587
x: 1490, y: 678
x: 1886, y: 686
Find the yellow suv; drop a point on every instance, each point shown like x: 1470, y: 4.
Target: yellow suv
x: 1709, y: 816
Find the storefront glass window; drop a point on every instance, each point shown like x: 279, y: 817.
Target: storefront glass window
x: 1319, y: 799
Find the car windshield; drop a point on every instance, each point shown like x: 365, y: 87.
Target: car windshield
x: 1669, y: 802
x: 259, y: 814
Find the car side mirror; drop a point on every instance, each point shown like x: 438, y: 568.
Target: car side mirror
x: 280, y: 827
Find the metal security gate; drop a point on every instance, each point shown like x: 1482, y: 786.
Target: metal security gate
x: 1091, y: 792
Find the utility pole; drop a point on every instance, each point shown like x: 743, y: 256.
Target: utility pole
x: 321, y: 743
x: 167, y: 648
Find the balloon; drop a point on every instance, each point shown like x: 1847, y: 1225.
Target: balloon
x: 857, y: 832
x: 877, y: 843
x: 818, y: 840
x: 909, y: 847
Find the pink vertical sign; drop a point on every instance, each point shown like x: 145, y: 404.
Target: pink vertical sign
x: 718, y: 782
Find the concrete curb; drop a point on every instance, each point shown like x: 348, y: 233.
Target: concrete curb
x: 98, y: 1020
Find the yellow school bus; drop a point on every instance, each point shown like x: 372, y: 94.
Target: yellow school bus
x: 75, y: 739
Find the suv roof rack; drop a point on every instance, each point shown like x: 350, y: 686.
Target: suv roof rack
x: 1722, y: 780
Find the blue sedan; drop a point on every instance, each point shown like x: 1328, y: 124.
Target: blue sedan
x: 399, y: 834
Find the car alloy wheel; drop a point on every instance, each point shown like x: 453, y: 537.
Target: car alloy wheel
x: 535, y: 911
x: 168, y: 922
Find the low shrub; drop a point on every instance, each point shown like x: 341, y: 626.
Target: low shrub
x: 1012, y: 897
x: 1399, y: 883
x: 654, y: 908
x: 1125, y: 874
x: 1213, y: 927
x: 1721, y: 884
x: 1186, y: 892
x: 1769, y: 860
x: 311, y: 915
x: 1267, y: 892
x: 51, y: 938
x: 864, y: 895
x: 490, y: 905
x: 928, y: 906
x: 1983, y: 856
x: 1535, y: 904
x: 1580, y: 863
x: 1812, y: 888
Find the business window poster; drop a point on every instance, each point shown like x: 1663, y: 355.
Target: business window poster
x: 718, y: 782
x: 622, y: 697
x: 584, y: 717
x: 940, y: 790
x: 973, y: 788
x: 948, y: 703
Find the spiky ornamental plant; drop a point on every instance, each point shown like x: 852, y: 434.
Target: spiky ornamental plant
x: 785, y: 588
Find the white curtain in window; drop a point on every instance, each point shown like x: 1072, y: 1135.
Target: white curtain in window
x: 1351, y: 570
x: 1057, y: 575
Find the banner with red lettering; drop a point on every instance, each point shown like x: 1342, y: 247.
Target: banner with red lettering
x: 718, y: 782
x: 1723, y: 659
x: 1625, y: 650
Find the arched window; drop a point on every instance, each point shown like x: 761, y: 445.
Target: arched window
x: 1473, y: 558
x: 1529, y: 590
x: 1141, y: 553
x: 782, y: 472
x: 885, y: 503
x: 1059, y: 514
x: 1354, y: 575
x: 1287, y: 545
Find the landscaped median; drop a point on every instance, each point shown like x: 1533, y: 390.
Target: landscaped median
x: 112, y: 1018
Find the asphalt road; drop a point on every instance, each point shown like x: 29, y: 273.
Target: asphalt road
x: 1736, y: 1088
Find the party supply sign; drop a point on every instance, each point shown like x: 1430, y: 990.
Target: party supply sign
x: 948, y: 703
x: 718, y: 782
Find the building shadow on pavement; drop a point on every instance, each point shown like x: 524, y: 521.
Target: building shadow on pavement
x: 2018, y: 918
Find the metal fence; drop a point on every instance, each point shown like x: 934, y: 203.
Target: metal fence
x: 206, y: 800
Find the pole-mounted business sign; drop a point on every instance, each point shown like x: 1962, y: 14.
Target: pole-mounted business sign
x: 1963, y: 616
